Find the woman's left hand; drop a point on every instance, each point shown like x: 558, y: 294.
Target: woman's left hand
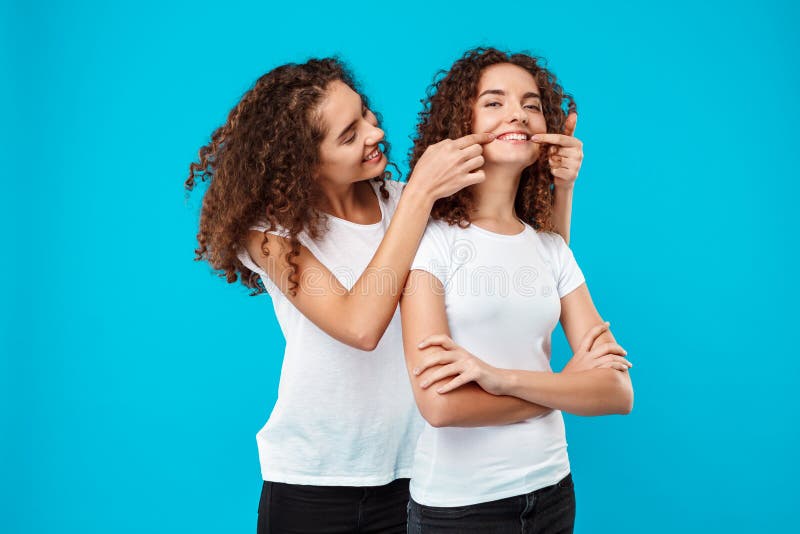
x: 565, y: 153
x: 458, y: 362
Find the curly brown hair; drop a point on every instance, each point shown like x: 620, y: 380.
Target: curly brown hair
x: 447, y: 114
x: 261, y: 164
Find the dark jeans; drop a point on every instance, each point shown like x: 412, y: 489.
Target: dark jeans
x: 294, y: 508
x: 549, y: 510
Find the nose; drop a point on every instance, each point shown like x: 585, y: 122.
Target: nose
x: 374, y: 136
x: 518, y: 115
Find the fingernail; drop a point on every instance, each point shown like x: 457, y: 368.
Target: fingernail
x: 424, y: 384
x: 420, y: 345
x: 416, y: 370
x: 535, y: 138
x: 492, y: 136
x: 439, y: 390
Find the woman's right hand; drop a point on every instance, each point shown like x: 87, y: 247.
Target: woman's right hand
x: 606, y: 355
x: 450, y: 165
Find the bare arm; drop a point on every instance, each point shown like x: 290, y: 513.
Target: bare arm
x: 565, y: 158
x: 423, y: 313
x: 562, y: 210
x: 359, y: 316
x: 590, y: 392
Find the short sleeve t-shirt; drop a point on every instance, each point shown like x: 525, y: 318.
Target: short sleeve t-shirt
x: 343, y: 417
x: 502, y: 297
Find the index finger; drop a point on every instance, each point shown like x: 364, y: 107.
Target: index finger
x: 556, y: 139
x: 471, y: 139
x: 437, y: 339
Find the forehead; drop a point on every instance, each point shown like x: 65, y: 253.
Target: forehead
x: 338, y: 105
x: 506, y: 76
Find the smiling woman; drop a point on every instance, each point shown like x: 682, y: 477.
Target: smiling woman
x: 475, y: 471
x: 300, y: 206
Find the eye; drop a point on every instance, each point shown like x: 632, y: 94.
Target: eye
x: 534, y: 106
x: 350, y: 139
x: 492, y: 104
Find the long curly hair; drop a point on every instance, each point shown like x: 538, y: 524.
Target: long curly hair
x: 447, y: 113
x: 261, y: 164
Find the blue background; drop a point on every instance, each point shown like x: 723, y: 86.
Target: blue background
x: 133, y: 380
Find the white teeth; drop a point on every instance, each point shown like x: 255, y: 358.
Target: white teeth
x: 514, y: 137
x: 372, y: 155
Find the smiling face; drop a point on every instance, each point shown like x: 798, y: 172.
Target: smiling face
x: 349, y: 152
x: 508, y: 104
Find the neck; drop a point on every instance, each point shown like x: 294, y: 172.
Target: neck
x: 494, y: 197
x: 339, y: 200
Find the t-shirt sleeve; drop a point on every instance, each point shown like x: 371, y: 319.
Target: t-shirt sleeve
x: 244, y: 255
x: 433, y: 254
x: 566, y: 271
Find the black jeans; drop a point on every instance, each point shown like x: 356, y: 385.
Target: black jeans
x: 549, y: 510
x: 295, y: 508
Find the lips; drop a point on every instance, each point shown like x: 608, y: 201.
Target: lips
x: 375, y: 154
x: 513, y: 136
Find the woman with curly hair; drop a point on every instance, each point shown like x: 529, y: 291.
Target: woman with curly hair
x: 488, y: 285
x: 298, y: 206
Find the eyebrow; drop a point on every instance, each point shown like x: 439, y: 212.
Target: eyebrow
x: 500, y: 92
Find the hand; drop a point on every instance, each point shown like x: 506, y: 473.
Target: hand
x: 459, y: 362
x: 565, y: 153
x: 450, y: 165
x: 607, y: 355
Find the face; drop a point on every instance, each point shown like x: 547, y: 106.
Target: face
x: 508, y: 104
x: 349, y: 152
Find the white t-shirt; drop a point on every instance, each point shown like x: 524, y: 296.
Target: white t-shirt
x: 502, y: 295
x: 343, y: 417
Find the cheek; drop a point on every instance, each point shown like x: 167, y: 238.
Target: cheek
x: 483, y: 122
x: 538, y: 124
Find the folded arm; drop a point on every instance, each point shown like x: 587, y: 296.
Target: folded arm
x: 591, y: 392
x: 423, y: 313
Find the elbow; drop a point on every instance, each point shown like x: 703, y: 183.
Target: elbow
x: 436, y: 414
x: 624, y: 393
x: 368, y: 339
x: 365, y: 342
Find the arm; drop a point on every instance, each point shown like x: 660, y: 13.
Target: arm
x: 565, y: 158
x: 591, y: 392
x: 423, y: 313
x: 562, y: 210
x: 359, y: 317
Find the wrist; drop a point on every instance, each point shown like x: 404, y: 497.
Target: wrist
x: 564, y: 188
x: 508, y: 382
x: 418, y: 193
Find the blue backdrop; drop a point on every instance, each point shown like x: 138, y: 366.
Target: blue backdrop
x: 134, y: 380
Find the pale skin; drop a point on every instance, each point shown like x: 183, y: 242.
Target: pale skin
x: 453, y: 387
x: 358, y: 317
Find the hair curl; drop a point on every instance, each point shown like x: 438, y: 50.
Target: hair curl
x: 447, y: 113
x: 261, y: 164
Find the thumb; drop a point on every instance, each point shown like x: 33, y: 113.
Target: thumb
x: 572, y: 122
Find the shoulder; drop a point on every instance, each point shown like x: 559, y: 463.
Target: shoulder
x: 552, y: 243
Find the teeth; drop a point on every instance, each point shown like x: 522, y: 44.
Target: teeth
x: 514, y: 137
x: 372, y: 155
